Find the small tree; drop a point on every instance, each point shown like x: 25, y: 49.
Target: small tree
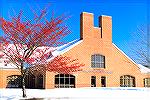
x: 140, y: 45
x: 28, y: 43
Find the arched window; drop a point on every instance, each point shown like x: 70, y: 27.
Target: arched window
x: 127, y: 81
x: 147, y: 82
x: 97, y: 61
x: 14, y: 81
x: 64, y: 81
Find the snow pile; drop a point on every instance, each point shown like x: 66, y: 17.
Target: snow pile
x: 79, y: 94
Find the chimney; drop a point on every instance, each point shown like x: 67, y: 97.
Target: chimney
x: 88, y: 31
x: 86, y: 24
x: 105, y: 22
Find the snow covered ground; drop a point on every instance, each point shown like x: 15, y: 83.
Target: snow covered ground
x: 79, y: 94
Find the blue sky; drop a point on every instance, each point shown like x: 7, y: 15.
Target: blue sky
x: 127, y: 15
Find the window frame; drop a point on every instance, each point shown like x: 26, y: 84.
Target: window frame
x: 61, y: 83
x: 103, y: 79
x: 40, y: 81
x: 127, y: 81
x: 147, y: 82
x: 93, y: 81
x: 98, y: 61
x: 13, y: 81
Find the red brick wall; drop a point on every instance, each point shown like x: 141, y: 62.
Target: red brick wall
x: 4, y: 73
x: 95, y: 40
x: 98, y: 40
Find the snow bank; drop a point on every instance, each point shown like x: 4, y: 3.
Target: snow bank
x: 79, y: 94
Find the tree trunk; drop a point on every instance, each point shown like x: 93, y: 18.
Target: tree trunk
x: 23, y: 87
x: 23, y: 81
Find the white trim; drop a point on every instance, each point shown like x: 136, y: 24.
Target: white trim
x: 70, y: 47
x: 144, y: 69
x: 124, y: 54
x: 97, y: 27
x: 87, y: 13
x: 106, y: 16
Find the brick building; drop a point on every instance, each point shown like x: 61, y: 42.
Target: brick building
x: 105, y: 64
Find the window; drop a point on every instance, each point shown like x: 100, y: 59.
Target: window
x: 40, y: 82
x: 31, y: 81
x: 93, y: 81
x: 147, y: 82
x: 64, y: 81
x: 127, y: 81
x: 103, y: 81
x: 97, y: 61
x: 14, y: 81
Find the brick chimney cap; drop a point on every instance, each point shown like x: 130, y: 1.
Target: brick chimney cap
x: 87, y: 13
x: 105, y: 16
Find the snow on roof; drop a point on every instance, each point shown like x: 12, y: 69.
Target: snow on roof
x: 55, y: 52
x: 106, y: 16
x: 7, y: 66
x: 143, y: 69
x: 64, y: 48
x: 4, y: 65
x: 87, y: 13
x: 67, y: 47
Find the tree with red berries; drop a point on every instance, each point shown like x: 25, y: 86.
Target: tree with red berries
x: 64, y: 64
x: 28, y: 43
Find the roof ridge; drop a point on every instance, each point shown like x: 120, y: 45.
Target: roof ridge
x: 124, y: 54
x: 65, y: 48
